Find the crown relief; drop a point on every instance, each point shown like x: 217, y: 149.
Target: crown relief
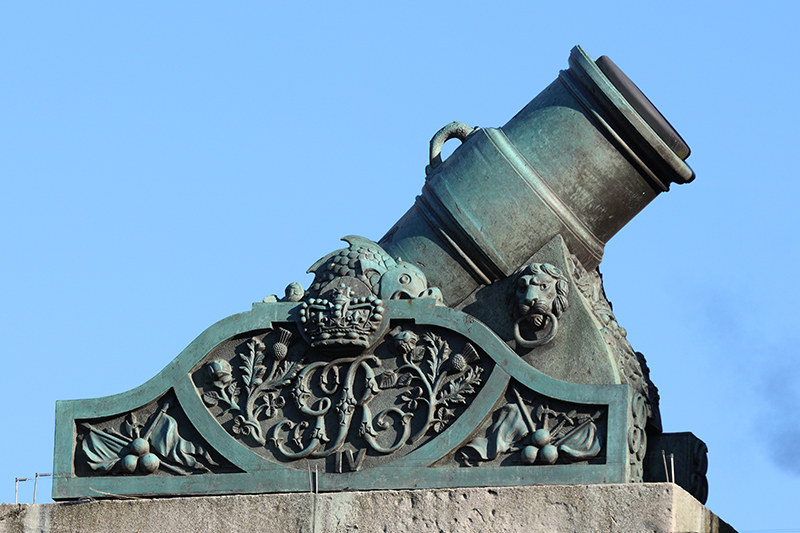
x: 344, y: 307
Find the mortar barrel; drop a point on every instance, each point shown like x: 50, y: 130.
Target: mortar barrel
x: 580, y: 160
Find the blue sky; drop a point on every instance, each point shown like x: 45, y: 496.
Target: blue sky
x: 163, y: 167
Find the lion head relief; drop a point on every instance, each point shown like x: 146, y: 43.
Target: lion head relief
x: 538, y: 298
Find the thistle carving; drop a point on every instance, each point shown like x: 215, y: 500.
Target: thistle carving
x: 255, y: 393
x: 440, y: 378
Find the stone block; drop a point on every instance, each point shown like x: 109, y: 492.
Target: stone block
x: 628, y: 508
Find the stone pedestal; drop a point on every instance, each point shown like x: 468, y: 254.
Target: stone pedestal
x: 634, y: 507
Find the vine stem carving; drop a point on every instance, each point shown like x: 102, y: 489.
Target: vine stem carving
x: 255, y: 387
x: 460, y: 377
x: 328, y: 394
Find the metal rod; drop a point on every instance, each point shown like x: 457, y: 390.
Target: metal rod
x: 524, y: 412
x: 16, y: 487
x: 35, y: 481
x: 672, y: 463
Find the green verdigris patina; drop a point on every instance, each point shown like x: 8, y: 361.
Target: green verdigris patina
x: 488, y: 356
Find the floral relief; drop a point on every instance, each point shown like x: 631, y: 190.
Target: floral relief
x: 302, y: 405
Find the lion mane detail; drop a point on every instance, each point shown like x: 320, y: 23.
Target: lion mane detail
x: 538, y: 288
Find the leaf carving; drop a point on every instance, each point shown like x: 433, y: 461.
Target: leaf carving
x: 287, y: 374
x: 233, y: 390
x: 404, y: 380
x: 443, y: 418
x: 438, y: 351
x: 455, y: 390
x: 388, y: 379
x: 211, y: 398
x: 248, y: 361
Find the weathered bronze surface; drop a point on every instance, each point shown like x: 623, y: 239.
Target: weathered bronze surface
x: 577, y: 161
x: 487, y: 356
